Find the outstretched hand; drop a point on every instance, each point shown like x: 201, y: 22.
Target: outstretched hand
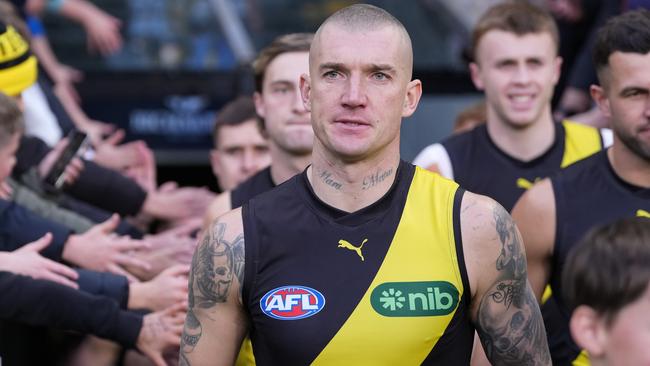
x: 101, y: 250
x: 160, y: 331
x: 27, y: 261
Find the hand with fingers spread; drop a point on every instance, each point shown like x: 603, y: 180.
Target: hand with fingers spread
x: 167, y: 289
x: 166, y: 249
x: 99, y: 250
x: 179, y: 203
x: 119, y: 157
x: 160, y: 331
x: 28, y: 262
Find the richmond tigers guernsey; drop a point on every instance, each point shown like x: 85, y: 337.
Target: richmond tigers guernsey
x: 260, y: 182
x: 391, y: 277
x: 587, y: 194
x: 474, y: 161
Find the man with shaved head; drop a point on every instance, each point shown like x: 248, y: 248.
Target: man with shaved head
x: 363, y: 258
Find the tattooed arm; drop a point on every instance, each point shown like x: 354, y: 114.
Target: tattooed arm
x: 216, y: 323
x: 505, y: 312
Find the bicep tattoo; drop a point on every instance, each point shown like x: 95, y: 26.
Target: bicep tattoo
x: 216, y: 263
x: 509, y: 321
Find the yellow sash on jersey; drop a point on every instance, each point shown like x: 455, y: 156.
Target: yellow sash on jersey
x: 245, y: 356
x: 582, y: 360
x: 580, y: 142
x: 423, y: 249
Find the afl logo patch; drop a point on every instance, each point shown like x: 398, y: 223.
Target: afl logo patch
x: 292, y: 302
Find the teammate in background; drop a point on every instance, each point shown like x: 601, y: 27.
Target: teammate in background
x: 240, y: 147
x: 607, y: 284
x: 516, y: 64
x: 362, y: 251
x: 607, y: 186
x: 286, y: 121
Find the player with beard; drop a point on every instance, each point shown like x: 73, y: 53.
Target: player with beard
x: 610, y: 185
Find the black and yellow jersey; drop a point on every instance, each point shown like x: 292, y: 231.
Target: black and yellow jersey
x: 587, y: 194
x: 385, y: 285
x: 474, y: 161
x: 260, y: 182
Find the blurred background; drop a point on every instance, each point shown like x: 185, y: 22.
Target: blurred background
x: 181, y: 60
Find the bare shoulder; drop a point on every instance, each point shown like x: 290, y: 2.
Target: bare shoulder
x: 539, y: 200
x: 535, y: 215
x: 220, y: 205
x: 215, y: 323
x: 218, y: 263
x: 482, y: 221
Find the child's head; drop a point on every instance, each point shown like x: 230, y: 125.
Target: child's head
x: 606, y: 281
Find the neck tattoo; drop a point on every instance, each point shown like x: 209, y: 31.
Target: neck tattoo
x: 327, y: 178
x: 376, y: 178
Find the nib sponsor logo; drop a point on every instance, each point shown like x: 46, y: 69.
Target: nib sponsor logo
x: 407, y: 299
x: 292, y: 302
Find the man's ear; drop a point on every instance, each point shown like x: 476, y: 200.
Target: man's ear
x: 305, y: 91
x: 588, y: 330
x: 599, y: 96
x: 477, y: 77
x: 259, y: 104
x: 412, y: 98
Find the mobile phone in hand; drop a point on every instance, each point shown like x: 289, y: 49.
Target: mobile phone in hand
x: 76, y: 146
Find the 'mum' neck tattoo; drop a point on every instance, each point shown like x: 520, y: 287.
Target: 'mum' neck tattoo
x: 376, y: 178
x: 327, y: 178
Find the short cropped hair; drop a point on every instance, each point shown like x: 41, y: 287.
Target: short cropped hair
x: 236, y: 113
x: 609, y: 268
x: 518, y: 17
x: 11, y: 119
x: 294, y: 42
x: 628, y: 32
x: 363, y: 16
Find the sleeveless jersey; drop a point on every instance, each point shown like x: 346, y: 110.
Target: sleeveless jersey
x: 479, y: 166
x: 587, y: 194
x: 385, y: 285
x: 260, y: 182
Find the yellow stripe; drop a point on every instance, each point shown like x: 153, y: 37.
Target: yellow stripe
x: 547, y: 294
x: 423, y: 249
x: 582, y: 360
x: 580, y: 142
x: 245, y: 356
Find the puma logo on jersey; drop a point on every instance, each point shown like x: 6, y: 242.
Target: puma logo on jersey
x: 525, y: 183
x: 347, y: 245
x: 642, y: 213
